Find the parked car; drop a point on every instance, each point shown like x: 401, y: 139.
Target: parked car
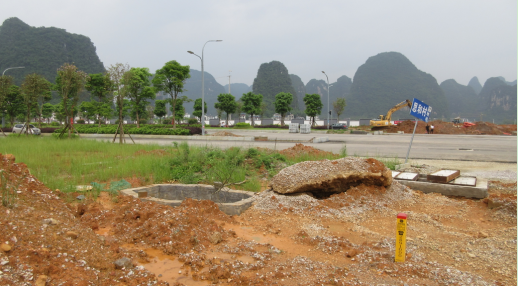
x: 339, y: 126
x: 19, y: 128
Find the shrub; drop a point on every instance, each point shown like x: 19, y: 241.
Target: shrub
x: 80, y: 121
x: 55, y: 123
x: 242, y: 125
x: 192, y: 121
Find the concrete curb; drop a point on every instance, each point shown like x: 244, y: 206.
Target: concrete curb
x: 167, y: 194
x: 478, y: 192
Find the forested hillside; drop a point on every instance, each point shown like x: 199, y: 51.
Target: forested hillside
x: 43, y: 50
x: 273, y: 78
x: 497, y: 100
x: 300, y: 90
x: 237, y: 89
x: 388, y: 79
x: 475, y: 84
x: 193, y: 91
x: 462, y: 100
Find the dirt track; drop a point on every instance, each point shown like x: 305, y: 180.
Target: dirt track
x: 347, y: 239
x: 442, y: 127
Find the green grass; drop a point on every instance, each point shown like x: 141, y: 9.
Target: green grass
x: 64, y: 164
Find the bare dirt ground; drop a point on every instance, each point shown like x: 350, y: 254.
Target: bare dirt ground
x: 51, y: 238
x: 442, y: 127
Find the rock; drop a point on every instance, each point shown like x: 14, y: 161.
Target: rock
x: 5, y: 247
x: 41, y: 281
x: 331, y: 176
x: 494, y: 203
x: 483, y: 234
x: 472, y: 255
x: 123, y: 263
x: 81, y: 197
x: 72, y: 234
x: 50, y: 221
x: 215, y: 238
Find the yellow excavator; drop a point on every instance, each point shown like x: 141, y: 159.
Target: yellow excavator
x: 384, y: 120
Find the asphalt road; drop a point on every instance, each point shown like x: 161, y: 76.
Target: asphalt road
x: 485, y: 148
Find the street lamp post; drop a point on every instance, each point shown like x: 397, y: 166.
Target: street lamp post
x: 327, y: 100
x: 203, y: 86
x: 11, y: 69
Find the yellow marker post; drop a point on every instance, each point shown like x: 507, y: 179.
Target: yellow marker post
x: 401, y: 237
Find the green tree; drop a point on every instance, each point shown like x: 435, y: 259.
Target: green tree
x: 313, y: 106
x: 283, y: 104
x: 47, y: 110
x: 227, y: 103
x: 5, y: 85
x: 70, y: 81
x: 239, y: 110
x: 117, y: 73
x: 252, y: 104
x: 13, y: 103
x: 264, y: 106
x: 140, y: 89
x: 171, y: 79
x: 105, y: 111
x: 34, y: 88
x: 160, y: 109
x: 197, y: 108
x: 88, y: 109
x: 339, y: 106
x: 100, y: 86
x: 178, y: 110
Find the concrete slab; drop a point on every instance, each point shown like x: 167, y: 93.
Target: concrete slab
x: 231, y: 202
x: 478, y: 192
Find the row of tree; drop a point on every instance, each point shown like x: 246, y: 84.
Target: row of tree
x: 124, y: 90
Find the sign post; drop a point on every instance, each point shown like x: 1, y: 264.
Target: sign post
x: 419, y: 110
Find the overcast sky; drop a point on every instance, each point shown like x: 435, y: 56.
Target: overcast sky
x: 448, y: 39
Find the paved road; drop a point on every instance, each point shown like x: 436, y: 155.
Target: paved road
x: 488, y: 148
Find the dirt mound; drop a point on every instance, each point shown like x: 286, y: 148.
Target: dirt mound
x: 442, y: 127
x: 225, y: 133
x: 301, y: 149
x: 327, y: 177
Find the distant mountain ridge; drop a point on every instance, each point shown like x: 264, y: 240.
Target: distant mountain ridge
x: 43, y: 50
x: 388, y: 79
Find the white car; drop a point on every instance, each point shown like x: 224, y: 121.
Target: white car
x: 19, y: 128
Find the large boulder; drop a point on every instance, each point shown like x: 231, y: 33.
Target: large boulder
x: 330, y: 176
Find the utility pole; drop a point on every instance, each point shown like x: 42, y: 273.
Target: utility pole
x: 229, y: 82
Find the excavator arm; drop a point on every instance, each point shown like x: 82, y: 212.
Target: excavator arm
x: 396, y: 108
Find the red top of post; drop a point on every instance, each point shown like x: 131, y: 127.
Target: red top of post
x: 401, y: 215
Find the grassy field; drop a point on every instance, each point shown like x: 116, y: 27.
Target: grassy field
x: 65, y: 164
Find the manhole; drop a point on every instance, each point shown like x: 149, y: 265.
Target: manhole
x: 231, y: 202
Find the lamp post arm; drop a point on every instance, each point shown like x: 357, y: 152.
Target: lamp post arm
x: 11, y: 69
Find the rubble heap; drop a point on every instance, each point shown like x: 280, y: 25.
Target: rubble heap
x: 330, y: 176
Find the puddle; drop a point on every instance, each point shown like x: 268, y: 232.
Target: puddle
x: 167, y: 268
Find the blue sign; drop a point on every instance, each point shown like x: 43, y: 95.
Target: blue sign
x: 420, y: 110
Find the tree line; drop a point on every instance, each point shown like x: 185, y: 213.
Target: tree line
x: 127, y: 91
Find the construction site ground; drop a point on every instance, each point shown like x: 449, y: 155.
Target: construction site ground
x: 50, y: 238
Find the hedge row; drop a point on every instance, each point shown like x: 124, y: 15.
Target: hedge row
x: 111, y: 129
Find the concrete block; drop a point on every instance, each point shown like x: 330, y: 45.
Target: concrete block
x: 443, y: 176
x: 321, y: 139
x: 478, y: 192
